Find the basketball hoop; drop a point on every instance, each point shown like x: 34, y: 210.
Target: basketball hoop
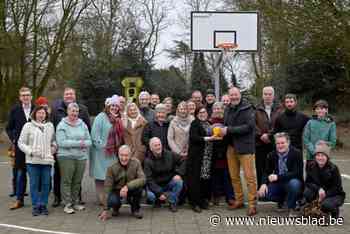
x: 227, y: 46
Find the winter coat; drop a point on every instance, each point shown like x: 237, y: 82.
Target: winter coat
x: 160, y: 170
x: 59, y: 111
x: 264, y: 124
x: 219, y: 148
x: 69, y: 138
x: 16, y: 121
x: 178, y: 136
x: 240, y: 122
x: 295, y: 166
x: 99, y: 160
x: 328, y: 178
x: 148, y: 114
x: 36, y: 141
x: 133, y: 138
x: 154, y: 129
x: 293, y: 123
x: 118, y: 176
x: 319, y: 129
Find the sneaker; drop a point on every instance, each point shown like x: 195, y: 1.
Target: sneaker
x: 36, y: 211
x: 44, y: 210
x: 79, y: 207
x: 68, y: 209
x: 172, y: 207
x: 137, y: 214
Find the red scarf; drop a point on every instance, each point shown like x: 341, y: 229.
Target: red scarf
x: 115, y: 136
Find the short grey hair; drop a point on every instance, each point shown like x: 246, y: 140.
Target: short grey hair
x: 269, y: 88
x: 219, y: 105
x: 153, y: 139
x: 280, y: 135
x: 124, y: 147
x: 73, y: 105
x: 160, y: 108
x: 144, y: 93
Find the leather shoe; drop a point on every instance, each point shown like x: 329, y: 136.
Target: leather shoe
x: 251, y: 211
x: 137, y: 214
x: 16, y: 205
x: 196, y: 209
x: 236, y: 205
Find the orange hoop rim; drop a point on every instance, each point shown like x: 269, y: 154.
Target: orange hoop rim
x: 227, y: 46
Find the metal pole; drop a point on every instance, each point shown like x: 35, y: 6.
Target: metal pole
x: 217, y: 74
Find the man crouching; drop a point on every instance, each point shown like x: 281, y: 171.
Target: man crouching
x: 124, y: 180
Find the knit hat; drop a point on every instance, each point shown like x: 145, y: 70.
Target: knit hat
x: 114, y: 100
x: 210, y: 91
x: 40, y: 101
x: 322, y: 147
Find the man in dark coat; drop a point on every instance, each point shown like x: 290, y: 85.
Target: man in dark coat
x: 144, y: 105
x: 323, y: 181
x: 59, y: 111
x: 157, y: 128
x: 19, y: 115
x: 266, y: 113
x: 164, y: 171
x: 283, y: 175
x: 292, y: 121
x: 239, y: 119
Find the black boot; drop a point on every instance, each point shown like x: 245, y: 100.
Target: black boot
x: 56, y: 202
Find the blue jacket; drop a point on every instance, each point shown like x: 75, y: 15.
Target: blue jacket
x: 69, y: 138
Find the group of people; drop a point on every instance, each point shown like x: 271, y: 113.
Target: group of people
x: 193, y: 153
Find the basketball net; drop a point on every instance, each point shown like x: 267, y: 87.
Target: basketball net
x: 227, y: 48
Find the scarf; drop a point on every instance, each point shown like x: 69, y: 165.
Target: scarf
x: 115, y: 135
x: 207, y: 154
x: 183, y: 122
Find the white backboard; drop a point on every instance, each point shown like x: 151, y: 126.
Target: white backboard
x: 210, y: 28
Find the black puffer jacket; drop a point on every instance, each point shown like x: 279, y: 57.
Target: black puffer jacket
x: 327, y: 178
x: 154, y: 129
x: 240, y: 121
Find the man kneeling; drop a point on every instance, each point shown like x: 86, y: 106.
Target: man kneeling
x: 124, y: 180
x: 163, y: 171
x: 283, y: 174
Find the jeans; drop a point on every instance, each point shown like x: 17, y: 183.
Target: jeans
x: 21, y: 180
x: 134, y: 198
x: 173, y: 188
x: 39, y: 176
x: 278, y: 191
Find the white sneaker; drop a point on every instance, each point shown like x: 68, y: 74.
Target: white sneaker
x: 68, y: 209
x: 79, y: 207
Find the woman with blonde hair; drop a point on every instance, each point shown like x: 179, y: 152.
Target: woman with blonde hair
x: 134, y: 124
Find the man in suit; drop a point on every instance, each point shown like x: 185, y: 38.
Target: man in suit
x: 59, y: 111
x: 19, y: 115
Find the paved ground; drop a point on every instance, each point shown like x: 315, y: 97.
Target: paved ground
x: 154, y: 221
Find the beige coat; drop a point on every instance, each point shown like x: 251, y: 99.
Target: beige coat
x: 133, y: 136
x: 178, y: 136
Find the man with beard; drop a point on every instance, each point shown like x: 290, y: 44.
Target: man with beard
x: 239, y: 130
x: 292, y: 121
